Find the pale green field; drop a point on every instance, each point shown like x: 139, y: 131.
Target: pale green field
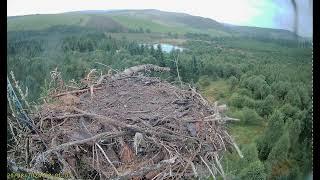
x: 243, y: 134
x: 136, y: 23
x: 39, y: 22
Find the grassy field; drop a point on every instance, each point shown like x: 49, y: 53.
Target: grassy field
x: 243, y: 134
x: 39, y: 22
x: 136, y: 23
x: 216, y: 90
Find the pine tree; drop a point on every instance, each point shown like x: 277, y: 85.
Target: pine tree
x: 195, y: 68
x: 294, y: 129
x: 250, y: 155
x: 254, y: 171
x: 272, y: 134
x: 159, y: 56
x: 293, y: 98
x: 250, y: 116
x: 266, y: 106
x: 276, y: 163
x: 152, y: 51
x: 289, y: 111
x: 233, y: 81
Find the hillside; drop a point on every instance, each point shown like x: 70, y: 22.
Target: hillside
x: 141, y: 20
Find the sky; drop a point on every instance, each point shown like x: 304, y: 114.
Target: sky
x: 260, y: 13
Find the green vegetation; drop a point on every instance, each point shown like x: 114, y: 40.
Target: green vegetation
x: 40, y: 22
x: 266, y: 83
x: 137, y: 23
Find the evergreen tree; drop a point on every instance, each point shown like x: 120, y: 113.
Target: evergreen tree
x: 293, y: 127
x: 152, y: 51
x: 277, y: 160
x: 254, y: 171
x: 293, y: 98
x: 250, y: 117
x: 233, y: 81
x: 280, y: 89
x: 159, y: 56
x: 266, y: 106
x: 250, y: 155
x: 195, y: 68
x: 272, y: 134
x: 289, y: 111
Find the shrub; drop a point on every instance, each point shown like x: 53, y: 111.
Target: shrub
x: 255, y: 171
x: 277, y: 163
x: 233, y: 81
x: 241, y: 101
x: 250, y: 117
x: 266, y: 105
x: 245, y: 92
x: 204, y: 81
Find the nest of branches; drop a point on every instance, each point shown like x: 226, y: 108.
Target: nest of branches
x: 129, y: 126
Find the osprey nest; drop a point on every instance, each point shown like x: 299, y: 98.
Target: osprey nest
x: 129, y: 126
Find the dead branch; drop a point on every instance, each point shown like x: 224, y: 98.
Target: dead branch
x: 214, y: 177
x: 75, y: 92
x: 145, y: 67
x: 144, y: 170
x: 105, y: 155
x: 105, y: 136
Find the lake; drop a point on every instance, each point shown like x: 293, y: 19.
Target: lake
x: 166, y: 47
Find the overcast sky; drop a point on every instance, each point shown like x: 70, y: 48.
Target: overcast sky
x: 260, y: 13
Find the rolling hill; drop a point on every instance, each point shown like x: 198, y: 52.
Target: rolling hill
x: 148, y: 20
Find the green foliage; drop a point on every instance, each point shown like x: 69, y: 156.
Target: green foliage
x: 136, y: 22
x: 306, y: 124
x: 280, y: 89
x: 248, y: 116
x: 204, y: 81
x: 280, y: 150
x: 233, y: 81
x: 293, y: 97
x: 195, y: 68
x: 272, y: 134
x: 250, y: 155
x: 266, y: 106
x: 276, y: 163
x: 289, y: 111
x: 304, y: 96
x: 40, y: 22
x: 241, y: 101
x: 293, y: 127
x: 254, y: 171
x: 159, y: 56
x: 244, y: 92
x: 257, y: 85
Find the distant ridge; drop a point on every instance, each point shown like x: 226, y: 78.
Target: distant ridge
x: 147, y: 19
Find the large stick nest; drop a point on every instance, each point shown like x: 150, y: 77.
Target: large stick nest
x: 130, y: 127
